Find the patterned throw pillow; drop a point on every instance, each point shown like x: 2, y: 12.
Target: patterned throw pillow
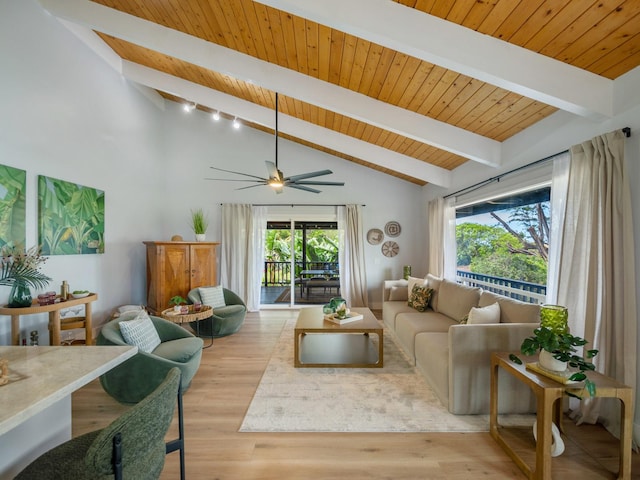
x: 140, y: 332
x: 420, y: 297
x: 212, y: 296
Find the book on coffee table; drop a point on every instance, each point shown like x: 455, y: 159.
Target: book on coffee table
x: 351, y: 317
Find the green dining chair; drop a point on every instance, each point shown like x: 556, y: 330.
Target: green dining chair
x: 131, y: 447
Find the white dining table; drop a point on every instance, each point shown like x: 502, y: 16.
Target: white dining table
x: 35, y: 405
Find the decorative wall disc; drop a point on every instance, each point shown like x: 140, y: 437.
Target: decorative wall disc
x: 390, y: 249
x: 392, y: 229
x: 375, y: 236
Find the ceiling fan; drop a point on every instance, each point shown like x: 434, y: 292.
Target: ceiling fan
x: 276, y: 178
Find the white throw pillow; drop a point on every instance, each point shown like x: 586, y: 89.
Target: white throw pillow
x: 212, y: 296
x: 488, y: 314
x: 140, y: 332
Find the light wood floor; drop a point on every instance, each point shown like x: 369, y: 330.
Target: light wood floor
x: 222, y: 391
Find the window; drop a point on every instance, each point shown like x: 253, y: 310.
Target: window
x: 505, y: 241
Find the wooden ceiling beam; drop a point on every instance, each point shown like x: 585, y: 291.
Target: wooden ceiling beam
x: 291, y: 83
x: 287, y: 124
x: 463, y: 50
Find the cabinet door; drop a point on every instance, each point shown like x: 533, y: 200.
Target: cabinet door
x: 203, y: 265
x: 175, y: 272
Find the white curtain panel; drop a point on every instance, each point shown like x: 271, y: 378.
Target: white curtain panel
x: 243, y: 228
x: 596, y: 279
x: 435, y: 219
x: 441, y: 215
x: 353, y: 280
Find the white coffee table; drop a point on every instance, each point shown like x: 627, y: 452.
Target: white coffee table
x: 319, y: 343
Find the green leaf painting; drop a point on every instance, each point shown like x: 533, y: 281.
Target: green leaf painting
x: 12, y: 206
x: 71, y: 218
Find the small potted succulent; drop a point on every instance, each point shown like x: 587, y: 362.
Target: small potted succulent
x: 177, y: 302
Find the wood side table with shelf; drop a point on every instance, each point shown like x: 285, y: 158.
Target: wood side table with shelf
x: 54, y: 318
x: 548, y: 394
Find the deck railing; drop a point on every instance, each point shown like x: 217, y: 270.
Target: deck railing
x: 279, y: 273
x: 524, y: 291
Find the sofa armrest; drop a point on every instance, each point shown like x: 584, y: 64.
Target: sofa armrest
x: 470, y: 348
x: 387, y: 284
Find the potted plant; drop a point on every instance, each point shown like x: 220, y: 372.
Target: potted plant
x: 199, y: 224
x: 20, y: 269
x: 176, y: 301
x: 561, y: 346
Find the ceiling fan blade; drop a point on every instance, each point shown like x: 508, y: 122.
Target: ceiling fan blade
x: 237, y: 173
x: 302, y: 187
x: 311, y: 182
x: 302, y: 176
x: 251, y: 186
x: 273, y: 171
x: 236, y: 180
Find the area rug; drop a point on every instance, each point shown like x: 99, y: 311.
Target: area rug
x: 395, y: 398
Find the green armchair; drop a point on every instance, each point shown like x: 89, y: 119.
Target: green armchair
x: 132, y: 446
x: 226, y: 320
x: 137, y: 377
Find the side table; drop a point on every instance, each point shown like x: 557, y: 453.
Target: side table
x: 191, y: 316
x: 548, y: 392
x: 54, y: 317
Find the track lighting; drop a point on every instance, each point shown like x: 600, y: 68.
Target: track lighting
x: 236, y: 123
x: 189, y: 107
x: 215, y: 115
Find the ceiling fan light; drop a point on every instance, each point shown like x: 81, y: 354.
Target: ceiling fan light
x: 215, y: 115
x: 275, y: 183
x: 236, y: 123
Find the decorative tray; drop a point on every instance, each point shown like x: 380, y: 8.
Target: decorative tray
x: 351, y: 317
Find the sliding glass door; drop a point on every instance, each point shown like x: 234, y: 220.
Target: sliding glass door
x: 301, y: 263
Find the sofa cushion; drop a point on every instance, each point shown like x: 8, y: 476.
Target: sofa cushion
x: 140, y: 332
x: 408, y: 325
x: 398, y: 294
x: 456, y: 300
x: 511, y: 310
x: 180, y: 350
x: 420, y: 297
x: 434, y: 282
x: 390, y: 310
x: 488, y: 314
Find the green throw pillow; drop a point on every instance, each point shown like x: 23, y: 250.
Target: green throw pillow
x: 420, y: 297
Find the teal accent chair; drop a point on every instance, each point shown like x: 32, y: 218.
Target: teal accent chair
x: 138, y: 376
x: 226, y: 320
x: 132, y: 446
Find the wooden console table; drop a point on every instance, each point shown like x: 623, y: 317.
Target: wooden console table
x: 54, y: 318
x: 548, y: 392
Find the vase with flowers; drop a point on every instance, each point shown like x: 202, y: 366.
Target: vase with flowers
x: 20, y: 269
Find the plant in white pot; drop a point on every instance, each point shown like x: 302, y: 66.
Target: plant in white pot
x: 560, y: 346
x: 199, y: 224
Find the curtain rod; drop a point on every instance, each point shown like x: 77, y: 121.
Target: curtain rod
x: 299, y: 205
x: 625, y: 130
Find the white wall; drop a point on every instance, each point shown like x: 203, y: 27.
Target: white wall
x: 195, y: 143
x: 68, y: 115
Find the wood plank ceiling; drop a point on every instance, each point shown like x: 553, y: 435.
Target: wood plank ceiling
x: 601, y: 37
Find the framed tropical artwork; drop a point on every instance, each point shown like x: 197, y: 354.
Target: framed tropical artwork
x: 13, y: 229
x: 70, y: 217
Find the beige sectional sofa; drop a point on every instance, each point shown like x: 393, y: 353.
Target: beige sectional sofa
x: 454, y: 357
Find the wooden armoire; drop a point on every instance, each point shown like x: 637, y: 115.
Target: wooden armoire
x: 174, y: 268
